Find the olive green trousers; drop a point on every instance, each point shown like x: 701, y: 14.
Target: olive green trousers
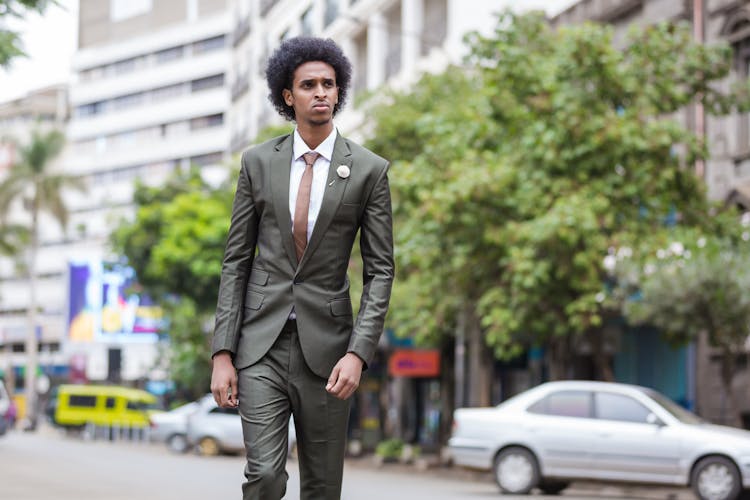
x: 279, y: 384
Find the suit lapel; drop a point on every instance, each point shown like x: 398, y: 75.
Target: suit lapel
x: 334, y: 191
x: 280, y: 170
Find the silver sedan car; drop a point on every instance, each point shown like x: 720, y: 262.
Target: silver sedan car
x: 562, y: 431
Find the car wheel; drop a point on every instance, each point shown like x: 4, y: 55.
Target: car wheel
x: 552, y: 487
x: 516, y: 470
x: 208, y: 447
x: 178, y: 443
x: 716, y: 478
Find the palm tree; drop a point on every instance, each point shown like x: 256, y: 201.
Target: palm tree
x: 31, y: 181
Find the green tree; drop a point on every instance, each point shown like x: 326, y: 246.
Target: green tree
x: 39, y: 189
x: 513, y: 177
x: 10, y: 41
x: 175, y: 244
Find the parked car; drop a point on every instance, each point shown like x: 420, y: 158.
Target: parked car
x: 213, y: 430
x: 170, y: 427
x: 73, y: 406
x: 562, y: 431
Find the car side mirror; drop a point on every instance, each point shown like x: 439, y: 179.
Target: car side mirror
x: 654, y: 420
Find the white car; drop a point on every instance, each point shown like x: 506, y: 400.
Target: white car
x: 213, y: 430
x: 170, y: 427
x: 562, y: 431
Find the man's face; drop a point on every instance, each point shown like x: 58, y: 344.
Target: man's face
x: 314, y: 93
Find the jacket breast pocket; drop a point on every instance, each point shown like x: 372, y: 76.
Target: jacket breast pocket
x: 340, y: 307
x: 253, y: 300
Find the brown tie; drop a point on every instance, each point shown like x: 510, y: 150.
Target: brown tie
x: 302, y: 206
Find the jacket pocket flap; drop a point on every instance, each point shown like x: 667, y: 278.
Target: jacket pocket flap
x: 258, y: 277
x: 341, y: 307
x: 253, y: 300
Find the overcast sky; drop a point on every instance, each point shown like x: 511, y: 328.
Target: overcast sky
x: 50, y: 42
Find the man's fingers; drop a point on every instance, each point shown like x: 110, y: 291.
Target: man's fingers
x: 235, y: 397
x: 333, y: 379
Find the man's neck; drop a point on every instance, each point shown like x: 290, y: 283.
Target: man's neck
x: 313, y: 135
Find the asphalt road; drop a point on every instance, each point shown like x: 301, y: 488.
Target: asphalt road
x: 47, y: 465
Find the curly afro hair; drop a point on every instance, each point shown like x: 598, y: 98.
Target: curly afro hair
x: 296, y: 51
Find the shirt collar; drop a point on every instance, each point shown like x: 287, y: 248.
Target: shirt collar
x: 325, y: 148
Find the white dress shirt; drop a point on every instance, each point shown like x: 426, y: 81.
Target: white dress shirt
x: 320, y: 175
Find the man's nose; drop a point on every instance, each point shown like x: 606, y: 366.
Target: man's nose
x: 320, y: 90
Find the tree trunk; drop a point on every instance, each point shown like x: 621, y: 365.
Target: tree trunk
x: 479, y: 376
x: 600, y: 357
x: 31, y: 338
x: 732, y: 417
x: 559, y: 358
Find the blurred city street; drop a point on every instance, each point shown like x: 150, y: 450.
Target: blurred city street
x: 44, y: 465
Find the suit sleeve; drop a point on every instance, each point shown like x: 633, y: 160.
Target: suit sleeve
x: 376, y: 244
x: 238, y: 257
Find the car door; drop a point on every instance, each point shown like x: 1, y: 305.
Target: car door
x: 632, y: 444
x: 558, y: 426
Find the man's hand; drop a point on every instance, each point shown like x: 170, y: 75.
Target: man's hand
x: 345, y: 376
x: 224, y: 381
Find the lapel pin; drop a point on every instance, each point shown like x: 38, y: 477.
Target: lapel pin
x: 343, y: 171
x: 331, y: 183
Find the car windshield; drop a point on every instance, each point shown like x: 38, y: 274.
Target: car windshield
x: 673, y: 408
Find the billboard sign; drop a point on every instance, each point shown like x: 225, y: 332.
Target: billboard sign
x: 105, y: 304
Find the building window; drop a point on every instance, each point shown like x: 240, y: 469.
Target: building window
x: 168, y: 92
x: 124, y: 66
x: 435, y: 26
x: 208, y: 44
x: 207, y: 159
x: 166, y: 55
x: 307, y: 22
x: 360, y: 69
x: 393, y: 57
x: 209, y: 82
x: 128, y: 101
x: 120, y: 10
x: 91, y: 109
x: 332, y: 11
x: 207, y: 121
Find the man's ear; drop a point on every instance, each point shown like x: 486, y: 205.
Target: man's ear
x: 288, y: 97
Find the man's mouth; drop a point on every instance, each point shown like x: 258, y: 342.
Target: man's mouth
x: 321, y: 105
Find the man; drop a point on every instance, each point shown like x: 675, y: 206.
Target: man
x: 284, y: 340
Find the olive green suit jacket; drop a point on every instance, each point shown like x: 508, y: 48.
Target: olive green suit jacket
x: 261, y: 280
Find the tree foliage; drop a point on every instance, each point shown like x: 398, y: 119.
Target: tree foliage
x: 175, y: 244
x: 512, y: 178
x: 10, y: 41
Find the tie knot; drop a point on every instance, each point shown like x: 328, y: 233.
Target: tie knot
x: 310, y: 158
